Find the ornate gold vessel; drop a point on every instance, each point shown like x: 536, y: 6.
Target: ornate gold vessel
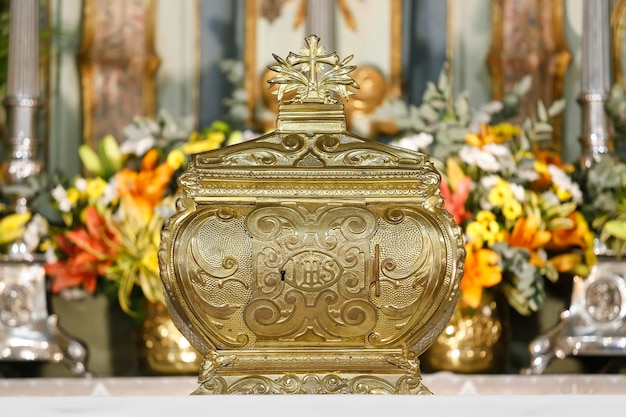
x: 310, y: 260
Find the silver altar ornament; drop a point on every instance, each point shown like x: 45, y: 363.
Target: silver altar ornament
x: 27, y: 331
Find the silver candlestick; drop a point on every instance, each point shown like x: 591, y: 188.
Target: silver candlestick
x: 595, y: 323
x: 597, y: 137
x: 27, y: 331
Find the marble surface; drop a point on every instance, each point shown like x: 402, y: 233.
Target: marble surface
x: 456, y: 395
x: 442, y: 383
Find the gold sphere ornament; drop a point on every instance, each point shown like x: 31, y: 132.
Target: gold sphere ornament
x: 311, y: 260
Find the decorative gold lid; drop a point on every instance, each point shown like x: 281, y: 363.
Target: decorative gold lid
x: 309, y: 259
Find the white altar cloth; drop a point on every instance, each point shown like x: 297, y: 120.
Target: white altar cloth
x: 455, y: 395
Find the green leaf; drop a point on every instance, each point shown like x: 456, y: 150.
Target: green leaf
x: 542, y: 114
x: 615, y: 228
x: 90, y: 160
x: 522, y: 85
x: 556, y: 108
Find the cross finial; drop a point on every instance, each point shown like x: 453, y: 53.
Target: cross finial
x: 317, y: 86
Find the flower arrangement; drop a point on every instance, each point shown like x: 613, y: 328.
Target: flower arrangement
x: 517, y: 203
x: 107, y: 225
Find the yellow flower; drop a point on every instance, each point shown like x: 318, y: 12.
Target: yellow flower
x: 136, y: 262
x: 73, y: 195
x: 175, y: 159
x: 95, y: 188
x: 563, y: 194
x: 506, y: 130
x: 486, y: 136
x: 12, y: 226
x: 485, y: 216
x: 234, y: 138
x: 540, y: 167
x: 500, y: 194
x: 484, y: 230
x: 512, y: 209
x: 212, y: 141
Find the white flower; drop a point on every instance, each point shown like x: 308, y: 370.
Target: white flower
x: 50, y: 255
x: 110, y: 192
x: 551, y: 198
x: 518, y: 191
x: 483, y: 116
x: 60, y: 195
x: 249, y: 135
x: 529, y: 175
x: 415, y: 142
x: 80, y: 184
x: 137, y: 146
x: 564, y: 182
x: 35, y: 230
x: 472, y: 155
x: 489, y: 181
x: 577, y: 194
x: 165, y: 211
x: 485, y: 204
x: 497, y: 150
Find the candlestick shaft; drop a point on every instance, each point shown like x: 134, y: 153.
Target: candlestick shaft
x: 21, y: 153
x: 596, y: 137
x: 320, y: 20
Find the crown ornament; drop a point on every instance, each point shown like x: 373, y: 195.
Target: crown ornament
x: 311, y: 260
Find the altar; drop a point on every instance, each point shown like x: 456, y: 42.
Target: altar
x: 455, y: 395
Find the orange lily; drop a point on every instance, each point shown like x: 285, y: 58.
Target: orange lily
x: 550, y: 158
x: 526, y: 234
x: 481, y: 271
x: 89, y: 250
x: 147, y: 187
x: 543, y: 159
x: 577, y: 236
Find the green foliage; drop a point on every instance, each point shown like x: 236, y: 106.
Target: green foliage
x: 522, y: 284
x: 604, y: 187
x: 449, y: 119
x: 616, y: 109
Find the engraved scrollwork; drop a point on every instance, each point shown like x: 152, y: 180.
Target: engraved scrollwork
x: 407, y: 361
x: 256, y: 158
x: 352, y: 318
x: 422, y: 245
x: 268, y: 223
x: 211, y: 362
x: 369, y: 158
x: 266, y: 318
x: 214, y: 281
x: 293, y: 142
x: 354, y: 223
x: 415, y: 249
x: 327, y: 143
x: 274, y: 150
x: 324, y: 252
x: 314, y: 384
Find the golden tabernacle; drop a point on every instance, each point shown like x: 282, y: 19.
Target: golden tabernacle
x: 310, y: 260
